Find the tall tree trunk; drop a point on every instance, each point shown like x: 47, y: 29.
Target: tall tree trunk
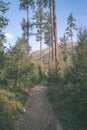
x: 51, y: 29
x: 28, y: 29
x: 41, y: 48
x: 72, y: 44
x: 40, y: 6
x: 55, y: 31
x: 19, y: 68
x: 49, y: 53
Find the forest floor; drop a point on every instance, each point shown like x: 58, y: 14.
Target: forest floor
x: 38, y: 114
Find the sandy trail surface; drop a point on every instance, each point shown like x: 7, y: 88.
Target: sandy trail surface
x: 38, y: 114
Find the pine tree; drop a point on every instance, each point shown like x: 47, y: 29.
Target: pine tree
x: 70, y: 27
x: 55, y: 31
x: 47, y: 34
x: 39, y: 23
x: 52, y: 7
x: 80, y: 57
x: 63, y: 47
x: 51, y: 18
x: 49, y: 4
x: 24, y: 5
x: 77, y: 73
x: 3, y: 20
x: 3, y: 23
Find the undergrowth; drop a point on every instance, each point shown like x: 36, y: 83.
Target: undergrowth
x: 12, y: 100
x: 69, y: 104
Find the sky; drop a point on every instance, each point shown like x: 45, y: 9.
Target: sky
x: 63, y: 9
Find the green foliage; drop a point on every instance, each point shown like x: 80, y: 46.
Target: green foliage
x: 17, y: 75
x: 68, y: 94
x: 12, y: 100
x: 3, y: 20
x: 48, y: 32
x: 25, y: 3
x: 24, y: 27
x: 66, y: 103
x: 70, y: 25
x: 53, y: 76
x: 3, y: 24
x: 6, y: 117
x: 6, y: 121
x: 78, y: 72
x: 40, y: 72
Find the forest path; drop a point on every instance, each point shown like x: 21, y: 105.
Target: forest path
x: 38, y: 114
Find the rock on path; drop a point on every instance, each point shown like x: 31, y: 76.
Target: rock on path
x: 38, y: 114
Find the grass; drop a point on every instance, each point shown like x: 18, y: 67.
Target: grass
x: 12, y: 100
x: 66, y: 106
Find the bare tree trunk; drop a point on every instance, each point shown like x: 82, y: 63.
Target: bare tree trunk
x: 72, y: 44
x: 19, y: 67
x: 51, y: 29
x: 55, y: 31
x: 49, y: 53
x: 41, y: 49
x: 27, y: 29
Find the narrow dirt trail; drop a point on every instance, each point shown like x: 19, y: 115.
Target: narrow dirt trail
x: 38, y: 114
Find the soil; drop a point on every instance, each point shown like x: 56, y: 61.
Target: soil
x: 38, y: 114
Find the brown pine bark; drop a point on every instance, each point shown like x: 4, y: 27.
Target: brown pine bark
x: 51, y: 29
x: 41, y: 48
x: 55, y: 31
x: 28, y: 29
